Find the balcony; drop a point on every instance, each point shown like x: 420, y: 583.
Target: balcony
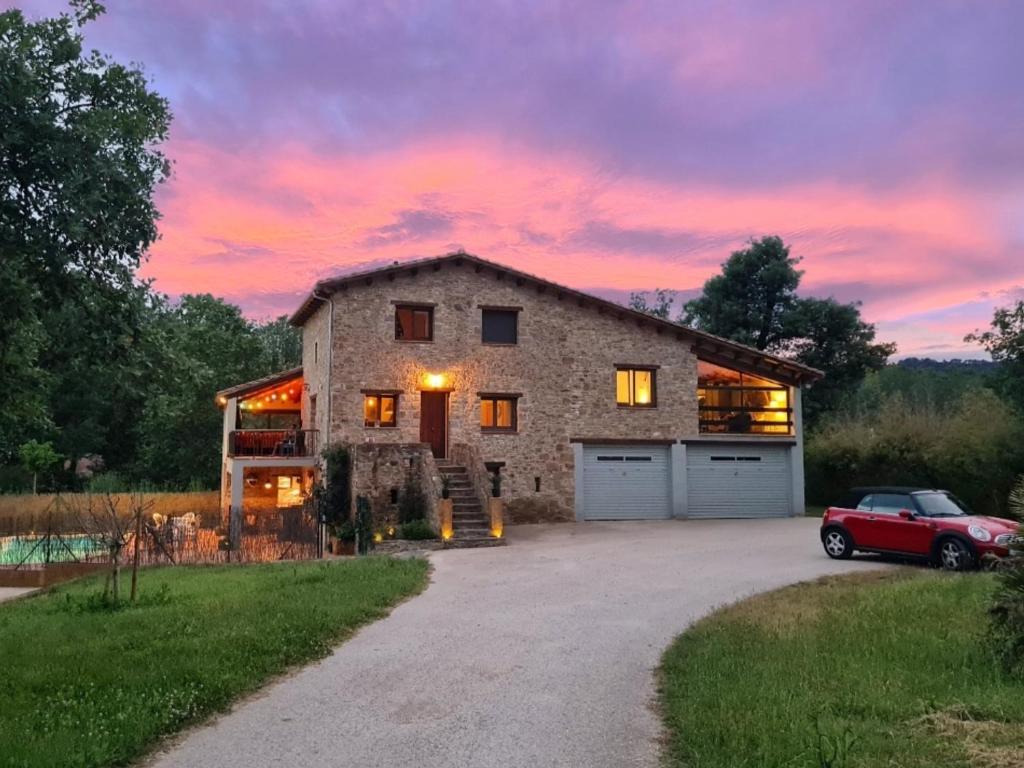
x: 273, y: 443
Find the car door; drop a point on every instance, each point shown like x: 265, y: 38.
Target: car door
x: 860, y: 522
x: 896, y: 533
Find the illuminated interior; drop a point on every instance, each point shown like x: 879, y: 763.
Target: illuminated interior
x: 497, y: 413
x: 379, y: 410
x: 734, y: 402
x: 634, y: 386
x: 277, y: 407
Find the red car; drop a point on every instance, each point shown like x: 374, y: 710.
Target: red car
x: 919, y: 522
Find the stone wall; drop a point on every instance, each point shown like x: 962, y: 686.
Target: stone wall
x: 563, y: 368
x: 379, y: 472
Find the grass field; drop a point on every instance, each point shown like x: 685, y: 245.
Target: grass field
x: 82, y: 684
x: 864, y: 671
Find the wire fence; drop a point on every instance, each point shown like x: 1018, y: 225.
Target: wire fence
x: 61, y: 537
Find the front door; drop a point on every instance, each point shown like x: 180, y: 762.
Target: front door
x: 434, y: 422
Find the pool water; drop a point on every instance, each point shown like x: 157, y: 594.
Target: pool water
x: 19, y: 549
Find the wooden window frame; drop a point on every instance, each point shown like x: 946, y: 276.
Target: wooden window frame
x: 414, y: 308
x: 494, y: 397
x: 631, y: 369
x: 514, y: 311
x: 380, y: 395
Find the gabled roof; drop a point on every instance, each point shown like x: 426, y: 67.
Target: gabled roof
x: 706, y: 345
x: 257, y: 385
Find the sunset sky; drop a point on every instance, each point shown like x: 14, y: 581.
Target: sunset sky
x: 612, y: 147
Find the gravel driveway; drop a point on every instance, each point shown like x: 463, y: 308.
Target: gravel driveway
x: 537, y: 654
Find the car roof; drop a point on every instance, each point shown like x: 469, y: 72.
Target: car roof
x: 894, y: 489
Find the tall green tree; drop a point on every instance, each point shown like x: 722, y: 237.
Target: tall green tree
x: 750, y: 301
x: 754, y: 301
x: 1004, y: 340
x: 831, y: 336
x: 79, y: 163
x: 204, y: 344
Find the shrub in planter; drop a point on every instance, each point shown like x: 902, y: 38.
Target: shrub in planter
x: 345, y: 535
x: 363, y: 525
x: 417, y: 530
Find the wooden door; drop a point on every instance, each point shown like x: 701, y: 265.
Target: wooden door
x: 434, y: 422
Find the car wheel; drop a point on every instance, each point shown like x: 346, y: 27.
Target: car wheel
x: 838, y: 544
x: 954, y: 555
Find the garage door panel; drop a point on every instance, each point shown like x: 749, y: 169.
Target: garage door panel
x: 626, y: 482
x: 738, y: 481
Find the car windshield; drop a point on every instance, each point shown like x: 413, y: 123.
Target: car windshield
x: 940, y: 505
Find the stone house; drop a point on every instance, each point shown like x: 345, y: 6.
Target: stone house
x: 585, y: 410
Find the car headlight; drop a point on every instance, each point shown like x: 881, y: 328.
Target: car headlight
x: 979, y: 533
x: 1004, y: 539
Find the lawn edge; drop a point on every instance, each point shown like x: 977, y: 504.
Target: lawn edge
x: 167, y: 743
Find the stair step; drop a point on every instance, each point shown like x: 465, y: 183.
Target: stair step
x: 469, y: 543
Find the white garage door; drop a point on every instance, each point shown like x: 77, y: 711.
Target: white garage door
x: 626, y: 482
x: 738, y: 480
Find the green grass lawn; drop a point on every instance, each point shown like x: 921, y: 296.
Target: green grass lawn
x: 84, y: 685
x: 868, y: 670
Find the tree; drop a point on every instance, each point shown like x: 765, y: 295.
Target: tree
x: 1005, y: 342
x: 660, y: 305
x: 749, y: 301
x: 754, y: 302
x: 206, y: 345
x: 79, y: 164
x: 830, y: 336
x: 37, y: 458
x: 281, y: 344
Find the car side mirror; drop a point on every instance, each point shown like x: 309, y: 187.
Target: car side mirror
x: 906, y: 514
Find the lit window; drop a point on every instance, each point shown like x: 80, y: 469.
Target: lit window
x: 733, y: 401
x: 380, y: 410
x: 499, y: 326
x: 498, y: 412
x: 414, y: 323
x: 635, y: 387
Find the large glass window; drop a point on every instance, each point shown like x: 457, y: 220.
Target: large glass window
x: 736, y: 402
x: 413, y: 323
x: 380, y: 410
x: 635, y: 387
x: 498, y: 413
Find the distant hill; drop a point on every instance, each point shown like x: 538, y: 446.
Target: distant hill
x: 981, y: 367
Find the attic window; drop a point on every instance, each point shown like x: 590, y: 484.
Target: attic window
x: 499, y: 326
x: 414, y: 323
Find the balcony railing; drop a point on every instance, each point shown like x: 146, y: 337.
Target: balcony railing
x: 282, y: 443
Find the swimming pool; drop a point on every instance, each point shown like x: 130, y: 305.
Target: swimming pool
x: 32, y: 550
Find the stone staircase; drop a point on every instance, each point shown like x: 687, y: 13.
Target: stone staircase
x: 471, y: 525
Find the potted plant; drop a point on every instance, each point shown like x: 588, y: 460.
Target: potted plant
x: 345, y: 538
x: 496, y: 508
x: 446, y: 509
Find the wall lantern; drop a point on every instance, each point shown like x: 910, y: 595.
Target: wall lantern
x: 434, y: 380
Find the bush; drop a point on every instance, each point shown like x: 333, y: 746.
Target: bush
x: 973, y: 448
x: 335, y: 500
x: 1007, y: 610
x: 417, y: 530
x: 412, y: 505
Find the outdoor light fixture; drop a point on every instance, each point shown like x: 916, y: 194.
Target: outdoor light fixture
x: 434, y: 380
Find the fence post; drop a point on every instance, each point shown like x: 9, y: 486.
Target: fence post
x: 234, y: 530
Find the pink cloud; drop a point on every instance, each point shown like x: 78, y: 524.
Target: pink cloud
x: 262, y: 229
